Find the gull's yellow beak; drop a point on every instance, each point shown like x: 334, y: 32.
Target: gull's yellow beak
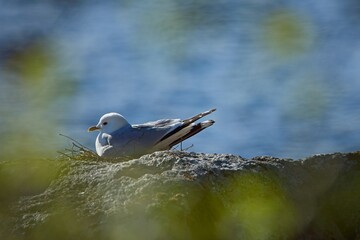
x: 93, y: 128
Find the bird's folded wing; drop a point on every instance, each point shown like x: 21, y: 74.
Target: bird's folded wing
x: 162, y: 123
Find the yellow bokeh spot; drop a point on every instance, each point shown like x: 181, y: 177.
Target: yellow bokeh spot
x: 287, y: 34
x: 260, y: 208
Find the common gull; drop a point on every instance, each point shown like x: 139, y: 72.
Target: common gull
x: 118, y: 138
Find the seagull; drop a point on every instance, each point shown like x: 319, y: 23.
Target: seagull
x: 119, y: 139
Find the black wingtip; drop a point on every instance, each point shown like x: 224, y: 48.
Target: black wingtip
x: 189, y: 121
x: 194, y: 130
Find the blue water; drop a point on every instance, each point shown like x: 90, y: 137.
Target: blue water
x: 284, y: 76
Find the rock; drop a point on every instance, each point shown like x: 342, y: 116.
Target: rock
x: 181, y: 195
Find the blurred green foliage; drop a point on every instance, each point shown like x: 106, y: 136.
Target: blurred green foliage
x: 20, y: 178
x: 261, y: 207
x: 31, y: 63
x: 340, y: 209
x: 31, y: 91
x: 287, y: 34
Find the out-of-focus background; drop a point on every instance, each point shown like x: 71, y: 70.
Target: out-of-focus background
x: 284, y: 75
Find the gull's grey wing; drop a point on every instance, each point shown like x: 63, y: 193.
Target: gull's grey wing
x: 162, y: 123
x: 139, y: 139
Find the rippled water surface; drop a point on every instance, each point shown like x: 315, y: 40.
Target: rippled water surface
x: 284, y: 76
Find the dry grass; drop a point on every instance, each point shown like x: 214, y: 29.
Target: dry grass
x: 78, y: 151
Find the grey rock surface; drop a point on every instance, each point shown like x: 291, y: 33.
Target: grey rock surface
x: 181, y: 195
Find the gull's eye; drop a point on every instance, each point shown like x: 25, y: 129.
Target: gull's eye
x: 105, y: 123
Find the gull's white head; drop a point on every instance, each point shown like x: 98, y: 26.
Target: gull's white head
x: 109, y: 123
